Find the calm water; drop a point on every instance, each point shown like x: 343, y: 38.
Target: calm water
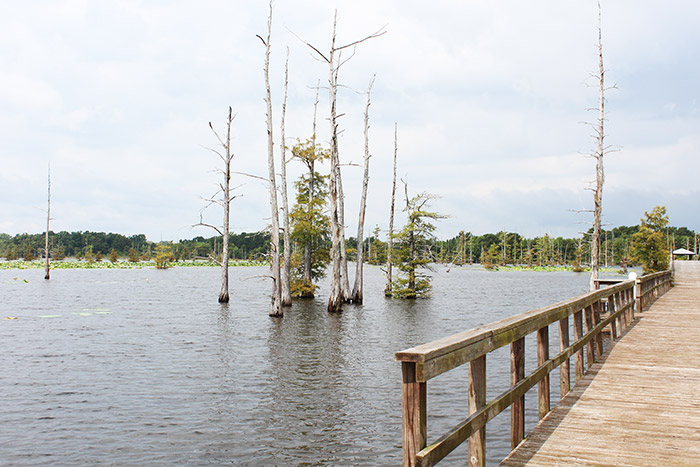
x: 144, y: 367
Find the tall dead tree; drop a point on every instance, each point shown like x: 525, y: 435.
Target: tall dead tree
x: 286, y: 293
x: 339, y: 289
x: 390, y: 241
x: 47, y: 273
x: 357, y: 287
x: 224, y: 201
x: 312, y: 176
x: 598, y: 156
x: 276, y: 301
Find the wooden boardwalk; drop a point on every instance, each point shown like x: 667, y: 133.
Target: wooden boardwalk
x: 640, y: 406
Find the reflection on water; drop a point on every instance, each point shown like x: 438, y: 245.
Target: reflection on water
x: 139, y: 367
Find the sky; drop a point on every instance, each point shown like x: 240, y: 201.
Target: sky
x: 491, y: 100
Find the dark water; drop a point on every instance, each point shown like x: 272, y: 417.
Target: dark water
x: 144, y: 367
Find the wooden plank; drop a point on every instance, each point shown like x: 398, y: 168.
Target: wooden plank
x: 477, y: 400
x: 542, y: 357
x: 565, y: 368
x: 578, y: 333
x: 641, y: 398
x: 517, y: 373
x: 414, y: 401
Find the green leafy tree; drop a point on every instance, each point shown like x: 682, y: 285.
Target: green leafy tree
x: 310, y: 235
x: 649, y: 245
x: 491, y: 257
x: 163, y: 256
x: 411, y: 249
x: 310, y: 224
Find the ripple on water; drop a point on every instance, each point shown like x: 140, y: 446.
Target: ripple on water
x: 144, y: 367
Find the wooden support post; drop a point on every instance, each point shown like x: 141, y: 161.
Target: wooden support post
x: 542, y: 357
x: 598, y: 337
x: 613, y: 323
x: 630, y: 299
x: 517, y: 410
x: 565, y: 367
x: 590, y: 347
x: 578, y: 333
x: 623, y: 317
x: 413, y: 395
x: 477, y: 400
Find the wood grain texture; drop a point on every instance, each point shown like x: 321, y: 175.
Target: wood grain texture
x: 639, y: 405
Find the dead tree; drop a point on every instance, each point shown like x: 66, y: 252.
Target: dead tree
x: 276, y: 302
x: 225, y: 202
x: 286, y: 294
x: 598, y: 156
x: 47, y: 274
x: 390, y: 241
x: 339, y: 289
x: 357, y: 287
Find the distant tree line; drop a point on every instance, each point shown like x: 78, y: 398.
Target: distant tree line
x: 491, y: 249
x: 98, y: 245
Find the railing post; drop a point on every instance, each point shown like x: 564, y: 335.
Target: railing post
x: 517, y: 410
x: 542, y: 357
x: 635, y: 293
x: 413, y: 395
x: 598, y: 337
x: 477, y: 400
x: 578, y: 334
x: 613, y: 324
x: 565, y: 367
x: 590, y: 347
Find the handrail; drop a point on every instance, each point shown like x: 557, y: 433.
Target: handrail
x: 421, y: 363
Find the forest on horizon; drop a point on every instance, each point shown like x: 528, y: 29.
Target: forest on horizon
x: 493, y: 248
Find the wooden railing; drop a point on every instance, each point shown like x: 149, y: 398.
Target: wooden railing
x: 420, y: 364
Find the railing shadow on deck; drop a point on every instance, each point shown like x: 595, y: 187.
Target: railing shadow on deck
x: 420, y: 364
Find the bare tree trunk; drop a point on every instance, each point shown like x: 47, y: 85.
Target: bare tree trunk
x: 276, y: 302
x: 340, y: 286
x: 336, y: 298
x: 600, y: 177
x: 225, y: 203
x: 390, y: 240
x: 286, y: 298
x: 47, y: 274
x: 357, y: 288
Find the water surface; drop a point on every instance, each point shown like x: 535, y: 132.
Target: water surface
x: 144, y: 367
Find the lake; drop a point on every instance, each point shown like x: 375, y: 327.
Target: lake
x: 145, y: 367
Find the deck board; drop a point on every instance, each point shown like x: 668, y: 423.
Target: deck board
x: 641, y: 404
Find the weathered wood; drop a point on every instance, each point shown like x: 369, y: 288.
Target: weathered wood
x: 613, y: 323
x: 477, y: 400
x: 429, y: 360
x: 599, y: 337
x: 590, y: 348
x: 413, y: 395
x: 565, y: 367
x: 641, y: 397
x: 517, y: 373
x: 542, y: 357
x: 578, y: 333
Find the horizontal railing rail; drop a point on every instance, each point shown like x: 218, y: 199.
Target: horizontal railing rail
x: 424, y: 362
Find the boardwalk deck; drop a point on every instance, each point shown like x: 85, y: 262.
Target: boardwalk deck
x: 641, y: 404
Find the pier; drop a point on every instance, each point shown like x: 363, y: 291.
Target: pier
x: 630, y: 402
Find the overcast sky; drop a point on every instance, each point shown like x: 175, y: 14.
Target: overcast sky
x: 489, y: 97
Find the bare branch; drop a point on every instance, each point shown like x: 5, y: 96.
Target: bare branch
x: 380, y: 32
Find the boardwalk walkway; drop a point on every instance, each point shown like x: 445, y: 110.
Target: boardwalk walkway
x: 641, y: 405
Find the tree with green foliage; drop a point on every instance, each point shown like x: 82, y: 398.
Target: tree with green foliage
x: 411, y: 247
x: 163, y: 256
x: 310, y: 226
x: 649, y: 245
